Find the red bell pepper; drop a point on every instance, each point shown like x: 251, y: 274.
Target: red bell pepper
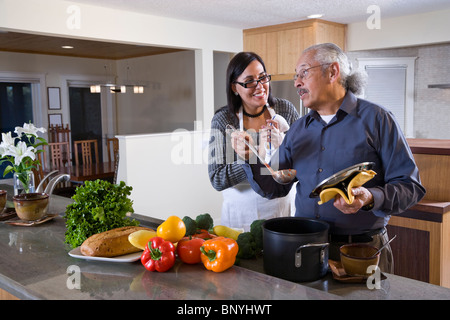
x: 158, y: 255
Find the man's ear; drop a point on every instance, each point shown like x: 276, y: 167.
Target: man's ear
x: 334, y: 71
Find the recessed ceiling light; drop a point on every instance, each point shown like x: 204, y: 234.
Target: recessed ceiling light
x: 315, y: 16
x: 67, y: 47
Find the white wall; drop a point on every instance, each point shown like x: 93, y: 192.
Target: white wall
x: 169, y: 174
x: 411, y: 30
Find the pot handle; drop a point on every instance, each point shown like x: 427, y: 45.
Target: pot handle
x: 298, y: 252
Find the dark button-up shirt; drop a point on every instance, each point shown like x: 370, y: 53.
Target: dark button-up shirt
x: 361, y: 131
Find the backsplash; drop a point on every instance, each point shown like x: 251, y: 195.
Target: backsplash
x: 431, y: 106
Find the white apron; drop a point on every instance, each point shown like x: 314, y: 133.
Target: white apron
x: 241, y: 205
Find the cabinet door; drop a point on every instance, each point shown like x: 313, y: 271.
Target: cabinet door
x: 271, y: 57
x: 291, y: 44
x: 326, y: 32
x: 265, y: 45
x: 255, y: 43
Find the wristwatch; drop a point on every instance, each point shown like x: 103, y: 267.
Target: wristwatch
x: 368, y: 207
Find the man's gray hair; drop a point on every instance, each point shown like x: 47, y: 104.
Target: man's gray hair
x: 325, y: 53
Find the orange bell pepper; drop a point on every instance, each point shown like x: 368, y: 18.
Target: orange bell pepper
x: 219, y: 254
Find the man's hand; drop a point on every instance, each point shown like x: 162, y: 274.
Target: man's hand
x: 363, y: 197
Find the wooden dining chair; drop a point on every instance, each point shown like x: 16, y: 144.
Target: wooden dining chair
x: 59, y: 133
x: 88, y: 149
x: 112, y: 145
x: 59, y: 157
x: 39, y: 170
x: 59, y: 154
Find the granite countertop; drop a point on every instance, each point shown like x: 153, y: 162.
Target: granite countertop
x: 35, y: 265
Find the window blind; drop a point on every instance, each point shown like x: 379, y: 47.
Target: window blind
x: 387, y: 86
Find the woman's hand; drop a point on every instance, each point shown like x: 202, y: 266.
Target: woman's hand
x: 270, y: 135
x: 239, y: 146
x: 363, y: 197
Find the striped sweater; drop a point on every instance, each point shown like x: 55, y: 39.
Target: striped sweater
x: 224, y: 167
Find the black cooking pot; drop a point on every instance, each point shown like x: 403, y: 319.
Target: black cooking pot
x: 295, y: 249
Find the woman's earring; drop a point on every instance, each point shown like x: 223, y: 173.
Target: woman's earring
x: 235, y: 93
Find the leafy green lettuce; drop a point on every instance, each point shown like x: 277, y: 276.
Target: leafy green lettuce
x: 98, y: 206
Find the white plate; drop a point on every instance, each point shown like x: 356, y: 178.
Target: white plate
x: 131, y: 257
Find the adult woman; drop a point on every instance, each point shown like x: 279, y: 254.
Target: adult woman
x: 250, y: 108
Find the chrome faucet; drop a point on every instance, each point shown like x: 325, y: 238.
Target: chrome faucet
x: 53, y: 182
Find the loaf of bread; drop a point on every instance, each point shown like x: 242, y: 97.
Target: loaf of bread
x: 110, y: 243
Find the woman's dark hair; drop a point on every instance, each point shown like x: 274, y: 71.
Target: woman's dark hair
x: 235, y: 68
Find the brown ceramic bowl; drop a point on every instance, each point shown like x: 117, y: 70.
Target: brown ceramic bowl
x: 31, y: 206
x: 2, y: 200
x: 356, y: 258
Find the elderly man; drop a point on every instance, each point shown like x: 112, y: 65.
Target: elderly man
x: 342, y: 130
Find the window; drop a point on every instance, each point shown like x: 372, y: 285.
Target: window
x: 20, y: 101
x: 391, y: 84
x: 15, y: 105
x: 15, y: 109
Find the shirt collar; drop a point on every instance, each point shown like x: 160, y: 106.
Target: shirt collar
x: 348, y: 106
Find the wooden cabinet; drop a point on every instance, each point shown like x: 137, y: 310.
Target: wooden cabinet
x: 280, y: 45
x: 422, y: 248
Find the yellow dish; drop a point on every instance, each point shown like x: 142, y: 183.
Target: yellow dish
x: 344, y: 189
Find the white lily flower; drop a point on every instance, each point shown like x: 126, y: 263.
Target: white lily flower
x: 21, y: 154
x: 28, y: 128
x: 7, y: 139
x: 3, y: 150
x: 6, y: 144
x: 21, y: 151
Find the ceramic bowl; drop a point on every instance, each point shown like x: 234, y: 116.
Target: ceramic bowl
x: 2, y: 200
x: 31, y: 206
x: 356, y: 258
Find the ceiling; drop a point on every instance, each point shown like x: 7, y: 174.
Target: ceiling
x: 244, y: 14
x: 30, y: 43
x: 231, y: 13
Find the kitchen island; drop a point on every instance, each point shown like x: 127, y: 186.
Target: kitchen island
x: 35, y: 264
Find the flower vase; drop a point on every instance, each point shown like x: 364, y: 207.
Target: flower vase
x: 23, y: 182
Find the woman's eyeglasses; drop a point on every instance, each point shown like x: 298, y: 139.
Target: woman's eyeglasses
x: 253, y: 83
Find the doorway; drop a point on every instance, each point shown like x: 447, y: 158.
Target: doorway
x: 86, y: 117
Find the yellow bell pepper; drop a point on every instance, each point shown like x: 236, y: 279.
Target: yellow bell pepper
x: 173, y: 229
x: 226, y: 232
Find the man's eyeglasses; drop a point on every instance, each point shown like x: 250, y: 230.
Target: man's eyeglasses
x: 304, y: 73
x: 253, y: 83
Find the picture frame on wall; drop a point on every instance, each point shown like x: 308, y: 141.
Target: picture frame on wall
x: 54, y: 98
x: 55, y: 119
